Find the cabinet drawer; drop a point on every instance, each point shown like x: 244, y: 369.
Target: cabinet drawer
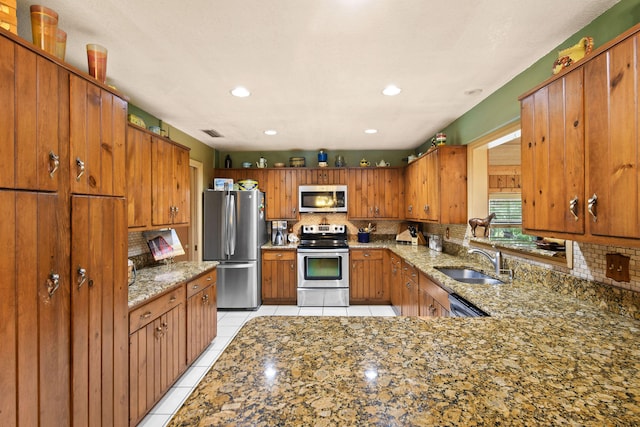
x: 410, y: 271
x: 278, y: 255
x: 145, y: 314
x: 436, y: 292
x: 367, y: 254
x: 196, y: 285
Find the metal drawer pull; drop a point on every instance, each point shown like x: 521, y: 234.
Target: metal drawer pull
x: 53, y: 283
x: 54, y: 162
x: 592, y: 205
x: 573, y: 207
x: 173, y: 299
x: 80, y: 167
x: 195, y: 287
x: 82, y: 276
x: 209, y: 279
x: 205, y: 298
x: 145, y: 315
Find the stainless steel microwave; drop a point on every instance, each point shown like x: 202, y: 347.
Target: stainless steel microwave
x: 322, y: 198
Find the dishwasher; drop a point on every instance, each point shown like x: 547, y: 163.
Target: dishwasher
x: 460, y: 307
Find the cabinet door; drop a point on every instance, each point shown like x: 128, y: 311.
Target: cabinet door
x: 34, y: 308
x: 411, y: 185
x: 181, y: 186
x: 157, y: 357
x: 97, y: 135
x: 611, y: 131
x: 553, y: 156
x: 161, y: 182
x: 395, y: 283
x: 410, y: 295
x: 433, y: 300
x: 323, y: 176
x: 34, y: 98
x: 367, y: 279
x: 430, y: 197
x: 138, y: 178
x: 99, y: 295
x: 279, y: 277
x: 365, y: 188
x: 282, y: 194
x: 201, y: 314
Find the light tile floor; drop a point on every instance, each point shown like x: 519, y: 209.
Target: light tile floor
x: 229, y: 323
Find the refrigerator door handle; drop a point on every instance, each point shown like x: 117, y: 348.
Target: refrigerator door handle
x: 225, y: 227
x: 233, y: 224
x: 229, y: 266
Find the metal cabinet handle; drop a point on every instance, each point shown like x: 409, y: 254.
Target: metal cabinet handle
x: 165, y: 326
x: 173, y: 299
x: 54, y: 163
x: 195, y: 287
x: 80, y: 167
x: 209, y: 279
x: 205, y: 298
x: 592, y: 204
x: 410, y: 208
x: 82, y: 276
x: 279, y: 255
x: 292, y: 266
x: 145, y: 315
x: 573, y: 207
x: 53, y: 283
x: 366, y: 254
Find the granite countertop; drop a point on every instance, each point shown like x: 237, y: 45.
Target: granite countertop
x: 153, y: 281
x: 331, y: 371
x: 543, y: 358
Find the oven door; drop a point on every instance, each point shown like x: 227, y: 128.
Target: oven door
x: 323, y: 268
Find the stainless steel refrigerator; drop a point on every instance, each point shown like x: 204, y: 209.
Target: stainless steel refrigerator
x: 234, y: 230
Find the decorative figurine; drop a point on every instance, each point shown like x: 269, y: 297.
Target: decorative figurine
x: 481, y: 222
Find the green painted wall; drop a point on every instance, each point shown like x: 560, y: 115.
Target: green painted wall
x: 199, y: 151
x: 351, y: 157
x: 502, y: 106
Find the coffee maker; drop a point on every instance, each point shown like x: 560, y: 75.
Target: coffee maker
x: 279, y: 233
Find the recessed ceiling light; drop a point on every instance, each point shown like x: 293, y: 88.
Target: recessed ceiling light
x: 371, y: 131
x: 391, y: 90
x: 240, y: 92
x: 271, y: 132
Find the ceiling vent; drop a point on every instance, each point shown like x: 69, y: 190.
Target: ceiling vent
x: 212, y: 133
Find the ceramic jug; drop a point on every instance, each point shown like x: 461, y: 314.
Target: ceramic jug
x: 262, y: 163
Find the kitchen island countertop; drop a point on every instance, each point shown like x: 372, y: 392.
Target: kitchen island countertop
x: 334, y: 371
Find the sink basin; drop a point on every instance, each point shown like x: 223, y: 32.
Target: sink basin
x: 468, y: 275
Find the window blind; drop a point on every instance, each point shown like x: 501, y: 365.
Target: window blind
x: 508, y: 211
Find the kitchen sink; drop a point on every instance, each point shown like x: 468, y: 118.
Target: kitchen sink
x: 469, y: 275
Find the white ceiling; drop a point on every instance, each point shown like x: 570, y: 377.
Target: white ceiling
x: 315, y: 68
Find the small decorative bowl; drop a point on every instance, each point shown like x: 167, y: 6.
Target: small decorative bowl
x: 278, y: 165
x: 247, y: 184
x: 246, y: 164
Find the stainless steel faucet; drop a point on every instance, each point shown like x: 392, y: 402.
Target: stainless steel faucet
x: 496, y: 260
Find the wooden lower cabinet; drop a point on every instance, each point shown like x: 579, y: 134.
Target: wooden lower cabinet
x: 395, y: 281
x: 157, y: 350
x: 279, y: 277
x: 369, y: 283
x: 202, y: 314
x: 410, y: 293
x: 433, y: 300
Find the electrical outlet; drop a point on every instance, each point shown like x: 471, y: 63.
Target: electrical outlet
x: 618, y: 267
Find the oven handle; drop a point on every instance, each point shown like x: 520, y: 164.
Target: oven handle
x: 323, y: 251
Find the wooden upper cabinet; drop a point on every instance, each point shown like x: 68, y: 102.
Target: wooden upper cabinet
x: 97, y: 135
x: 138, y: 178
x: 35, y: 100
x: 611, y: 132
x: 281, y: 193
x: 169, y: 183
x: 552, y: 123
x: 436, y: 186
x: 322, y: 176
x: 375, y: 193
x: 580, y: 149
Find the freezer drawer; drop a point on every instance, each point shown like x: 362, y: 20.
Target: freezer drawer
x: 323, y: 297
x: 239, y: 285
